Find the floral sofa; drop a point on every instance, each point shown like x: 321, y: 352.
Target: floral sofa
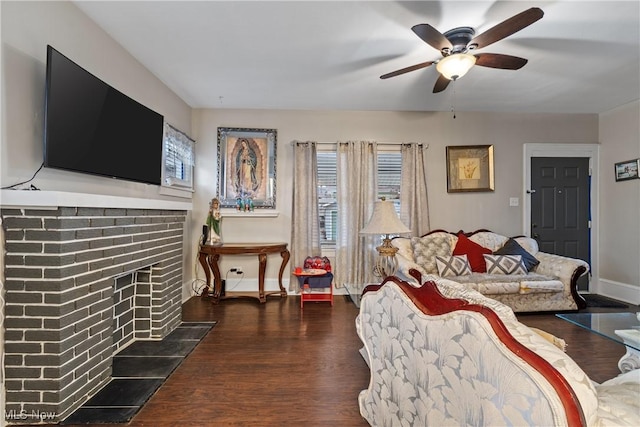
x: 510, y: 270
x: 443, y: 354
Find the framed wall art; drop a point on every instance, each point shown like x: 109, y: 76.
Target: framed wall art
x: 627, y: 170
x: 469, y: 168
x: 247, y: 167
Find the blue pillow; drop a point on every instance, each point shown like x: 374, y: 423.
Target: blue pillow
x: 511, y: 247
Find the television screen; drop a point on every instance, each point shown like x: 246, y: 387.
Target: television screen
x: 91, y: 127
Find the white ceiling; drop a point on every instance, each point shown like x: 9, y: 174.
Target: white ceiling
x: 584, y: 56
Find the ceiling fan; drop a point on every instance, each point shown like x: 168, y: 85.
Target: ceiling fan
x: 455, y: 45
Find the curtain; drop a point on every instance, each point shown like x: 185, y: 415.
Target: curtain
x: 305, y: 225
x: 356, y: 194
x: 414, y: 206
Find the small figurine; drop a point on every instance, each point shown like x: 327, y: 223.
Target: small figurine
x: 214, y: 219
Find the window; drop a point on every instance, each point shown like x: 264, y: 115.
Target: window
x: 327, y: 205
x: 389, y: 175
x: 178, y: 159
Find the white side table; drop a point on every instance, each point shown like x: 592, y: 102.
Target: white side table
x: 631, y: 359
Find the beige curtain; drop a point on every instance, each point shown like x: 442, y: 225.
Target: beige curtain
x: 305, y: 226
x: 414, y: 206
x: 356, y: 194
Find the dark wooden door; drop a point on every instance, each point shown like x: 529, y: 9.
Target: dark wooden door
x: 560, y: 207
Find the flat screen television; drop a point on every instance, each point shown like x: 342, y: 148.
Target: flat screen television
x: 93, y: 128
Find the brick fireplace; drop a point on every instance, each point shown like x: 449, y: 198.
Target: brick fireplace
x: 82, y: 283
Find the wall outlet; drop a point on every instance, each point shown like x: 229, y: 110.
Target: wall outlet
x: 237, y: 270
x: 514, y: 201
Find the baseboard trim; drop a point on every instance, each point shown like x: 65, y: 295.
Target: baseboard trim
x: 620, y: 291
x: 270, y: 285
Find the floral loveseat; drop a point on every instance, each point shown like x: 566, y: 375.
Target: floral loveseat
x: 510, y: 270
x: 443, y: 354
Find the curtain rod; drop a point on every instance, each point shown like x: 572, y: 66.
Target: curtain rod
x: 379, y: 143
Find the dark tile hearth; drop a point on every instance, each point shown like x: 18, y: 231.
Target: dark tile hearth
x: 138, y: 371
x: 159, y: 348
x: 104, y: 415
x: 124, y: 392
x: 188, y: 331
x: 144, y: 366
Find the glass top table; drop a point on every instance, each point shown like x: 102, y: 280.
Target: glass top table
x: 355, y: 293
x: 623, y: 328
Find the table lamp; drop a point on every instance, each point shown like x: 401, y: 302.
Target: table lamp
x: 385, y: 221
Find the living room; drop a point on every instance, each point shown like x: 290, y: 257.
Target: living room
x: 28, y: 27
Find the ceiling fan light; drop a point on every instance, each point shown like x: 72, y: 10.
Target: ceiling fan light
x: 455, y: 66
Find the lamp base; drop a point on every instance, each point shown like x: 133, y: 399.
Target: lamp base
x: 387, y: 264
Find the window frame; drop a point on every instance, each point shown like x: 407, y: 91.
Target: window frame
x: 328, y: 249
x: 172, y: 135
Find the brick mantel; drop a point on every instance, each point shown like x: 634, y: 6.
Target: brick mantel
x: 62, y: 259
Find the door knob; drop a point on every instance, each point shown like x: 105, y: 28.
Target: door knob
x: 534, y: 225
x: 536, y: 235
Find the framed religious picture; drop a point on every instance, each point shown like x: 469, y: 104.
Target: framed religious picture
x: 247, y: 168
x: 627, y: 170
x: 469, y: 168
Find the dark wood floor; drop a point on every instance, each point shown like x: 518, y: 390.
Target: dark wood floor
x: 266, y: 365
x: 596, y: 355
x: 271, y: 365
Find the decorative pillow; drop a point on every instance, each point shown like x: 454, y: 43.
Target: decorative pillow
x: 426, y: 248
x: 504, y: 264
x: 457, y: 265
x: 473, y: 251
x: 511, y: 247
x: 528, y: 244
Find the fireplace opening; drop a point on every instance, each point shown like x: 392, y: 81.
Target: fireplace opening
x: 131, y: 308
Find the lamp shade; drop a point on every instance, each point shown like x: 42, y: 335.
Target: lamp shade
x: 384, y: 220
x: 455, y: 66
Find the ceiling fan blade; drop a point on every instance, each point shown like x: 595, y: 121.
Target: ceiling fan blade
x: 406, y: 70
x: 496, y: 60
x: 432, y: 37
x: 441, y: 84
x: 507, y: 27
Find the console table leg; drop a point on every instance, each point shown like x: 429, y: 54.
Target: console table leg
x: 285, y: 259
x: 217, y: 279
x: 202, y: 258
x: 262, y: 258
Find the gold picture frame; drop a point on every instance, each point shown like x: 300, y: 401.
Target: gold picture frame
x: 247, y: 167
x: 470, y: 168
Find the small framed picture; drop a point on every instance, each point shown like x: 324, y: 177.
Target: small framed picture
x: 247, y: 167
x: 627, y: 170
x: 469, y: 168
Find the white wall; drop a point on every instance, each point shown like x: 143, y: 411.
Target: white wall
x: 470, y: 211
x: 27, y: 28
x: 619, y: 206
